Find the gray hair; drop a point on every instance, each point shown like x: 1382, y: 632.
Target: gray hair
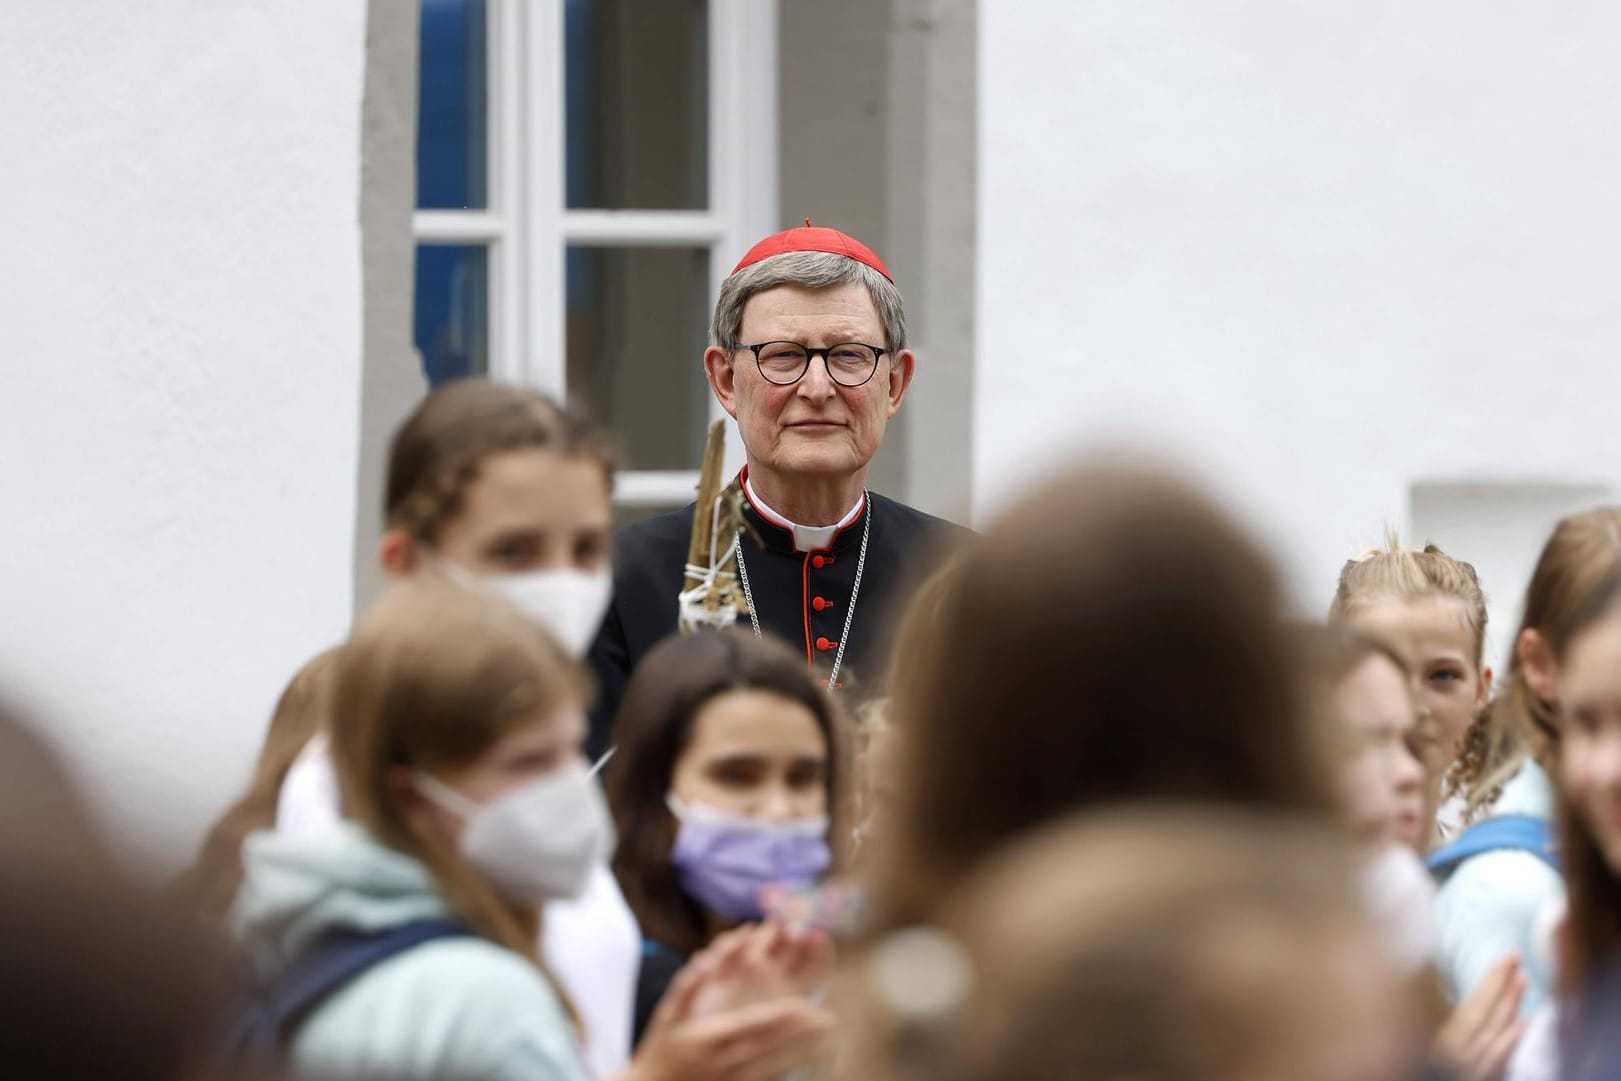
x: 808, y: 270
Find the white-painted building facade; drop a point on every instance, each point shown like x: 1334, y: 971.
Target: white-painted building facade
x: 1350, y: 263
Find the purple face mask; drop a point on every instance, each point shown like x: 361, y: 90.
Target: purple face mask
x: 725, y: 860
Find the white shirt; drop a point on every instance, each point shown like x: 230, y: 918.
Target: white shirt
x: 592, y: 944
x: 807, y: 538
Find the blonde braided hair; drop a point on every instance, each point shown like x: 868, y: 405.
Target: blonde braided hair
x: 1414, y: 574
x: 437, y: 452
x: 1411, y: 574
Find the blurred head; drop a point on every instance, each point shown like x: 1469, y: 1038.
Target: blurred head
x: 1588, y: 690
x: 1112, y: 637
x: 496, y: 480
x: 44, y: 820
x: 1429, y: 608
x: 817, y: 427
x: 1583, y: 550
x: 100, y: 981
x: 443, y: 682
x: 725, y: 723
x: 1360, y: 690
x: 1171, y: 943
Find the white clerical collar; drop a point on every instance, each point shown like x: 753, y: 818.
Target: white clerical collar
x: 807, y: 538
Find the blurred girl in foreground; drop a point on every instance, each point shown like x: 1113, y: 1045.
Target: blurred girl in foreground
x: 1169, y: 943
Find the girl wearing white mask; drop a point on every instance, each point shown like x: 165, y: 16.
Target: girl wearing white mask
x: 499, y: 490
x: 726, y: 775
x: 469, y: 806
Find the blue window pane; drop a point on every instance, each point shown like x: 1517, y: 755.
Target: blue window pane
x: 452, y: 106
x: 636, y: 103
x: 452, y: 311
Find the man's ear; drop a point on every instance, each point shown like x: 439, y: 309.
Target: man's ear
x: 398, y: 553
x: 901, y: 371
x: 722, y: 375
x: 1537, y: 664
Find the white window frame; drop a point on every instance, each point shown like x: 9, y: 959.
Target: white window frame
x: 528, y: 229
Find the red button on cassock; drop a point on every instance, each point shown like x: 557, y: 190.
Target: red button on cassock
x: 824, y: 644
x: 819, y: 562
x: 820, y: 603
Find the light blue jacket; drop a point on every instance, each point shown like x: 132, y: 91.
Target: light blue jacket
x: 458, y: 1008
x: 1498, y: 903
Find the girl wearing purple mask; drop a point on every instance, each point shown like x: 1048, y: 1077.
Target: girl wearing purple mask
x: 722, y: 788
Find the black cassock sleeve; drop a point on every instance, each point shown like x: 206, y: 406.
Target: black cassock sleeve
x: 610, y: 665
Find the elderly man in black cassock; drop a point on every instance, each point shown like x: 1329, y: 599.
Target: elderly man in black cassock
x: 810, y: 359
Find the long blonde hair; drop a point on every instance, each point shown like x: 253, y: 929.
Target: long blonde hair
x: 211, y: 884
x: 433, y: 677
x: 1517, y: 726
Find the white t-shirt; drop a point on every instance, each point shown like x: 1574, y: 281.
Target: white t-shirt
x: 591, y: 944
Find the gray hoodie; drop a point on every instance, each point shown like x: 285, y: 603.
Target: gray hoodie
x: 459, y: 1009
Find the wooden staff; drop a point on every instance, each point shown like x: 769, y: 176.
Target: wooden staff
x: 709, y: 543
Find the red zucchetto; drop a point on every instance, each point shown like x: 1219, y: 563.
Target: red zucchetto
x: 813, y: 238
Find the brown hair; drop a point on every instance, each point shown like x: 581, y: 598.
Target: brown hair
x: 41, y: 814
x: 1411, y: 574
x: 1592, y: 885
x: 211, y: 884
x: 1112, y: 637
x: 435, y: 455
x: 1170, y: 964
x: 919, y: 623
x: 100, y: 980
x: 669, y: 689
x: 1516, y: 726
x: 1332, y: 653
x: 433, y: 677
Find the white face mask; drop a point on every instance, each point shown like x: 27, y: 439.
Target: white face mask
x: 568, y: 603
x: 537, y: 842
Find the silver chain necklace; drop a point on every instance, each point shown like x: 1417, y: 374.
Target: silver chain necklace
x: 855, y: 590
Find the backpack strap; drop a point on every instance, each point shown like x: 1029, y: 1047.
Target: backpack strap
x: 1505, y: 833
x: 321, y: 971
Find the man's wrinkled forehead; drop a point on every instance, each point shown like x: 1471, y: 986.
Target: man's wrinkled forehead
x: 839, y: 313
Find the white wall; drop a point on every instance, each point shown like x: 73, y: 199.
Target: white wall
x: 1322, y: 251
x: 179, y: 383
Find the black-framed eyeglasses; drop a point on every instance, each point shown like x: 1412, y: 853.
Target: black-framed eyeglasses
x: 849, y: 364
